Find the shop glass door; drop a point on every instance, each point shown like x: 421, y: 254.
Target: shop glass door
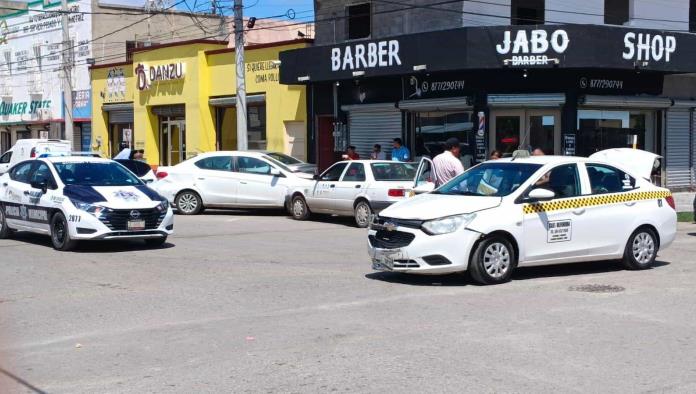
x: 525, y: 129
x: 172, y: 142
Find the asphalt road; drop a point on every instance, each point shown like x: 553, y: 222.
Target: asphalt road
x: 239, y: 303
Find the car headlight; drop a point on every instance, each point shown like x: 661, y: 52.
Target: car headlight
x: 163, y: 206
x: 95, y: 210
x: 448, y: 224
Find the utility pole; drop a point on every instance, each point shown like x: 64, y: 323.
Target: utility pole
x: 242, y: 140
x: 67, y: 68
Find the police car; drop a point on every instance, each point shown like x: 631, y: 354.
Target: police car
x: 529, y: 211
x: 81, y: 198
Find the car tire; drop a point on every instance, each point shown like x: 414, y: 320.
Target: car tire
x: 188, y: 202
x: 493, y: 261
x: 299, y: 208
x: 362, y: 214
x: 641, y: 249
x: 60, y: 234
x: 5, y: 232
x: 156, y: 242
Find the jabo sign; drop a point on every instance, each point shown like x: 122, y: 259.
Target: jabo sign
x: 532, y: 48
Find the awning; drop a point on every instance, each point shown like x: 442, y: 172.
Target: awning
x: 526, y: 100
x: 442, y: 104
x: 624, y: 101
x: 684, y: 104
x: 117, y: 107
x: 231, y: 101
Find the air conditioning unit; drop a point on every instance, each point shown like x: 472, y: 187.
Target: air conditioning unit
x: 43, y: 114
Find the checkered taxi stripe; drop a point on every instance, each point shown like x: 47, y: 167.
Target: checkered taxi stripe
x: 591, y: 201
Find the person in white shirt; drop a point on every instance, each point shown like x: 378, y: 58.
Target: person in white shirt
x: 447, y: 164
x: 377, y: 153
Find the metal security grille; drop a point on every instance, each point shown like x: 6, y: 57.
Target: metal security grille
x: 169, y: 110
x: 373, y: 124
x: 678, y: 144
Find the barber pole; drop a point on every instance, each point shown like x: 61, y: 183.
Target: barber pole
x: 482, y: 124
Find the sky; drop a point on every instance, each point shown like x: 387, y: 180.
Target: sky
x: 304, y: 9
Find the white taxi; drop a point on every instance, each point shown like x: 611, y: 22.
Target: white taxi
x: 529, y: 211
x: 81, y: 198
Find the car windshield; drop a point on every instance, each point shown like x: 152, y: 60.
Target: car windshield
x: 489, y: 179
x: 95, y: 174
x: 394, y: 171
x: 285, y: 159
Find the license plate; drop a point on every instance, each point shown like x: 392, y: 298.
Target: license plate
x: 135, y: 225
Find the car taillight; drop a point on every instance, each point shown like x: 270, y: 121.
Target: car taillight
x: 33, y: 153
x: 161, y: 175
x: 670, y: 202
x: 397, y: 192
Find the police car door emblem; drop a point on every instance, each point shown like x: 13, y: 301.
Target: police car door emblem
x: 135, y: 214
x: 23, y: 212
x: 126, y: 195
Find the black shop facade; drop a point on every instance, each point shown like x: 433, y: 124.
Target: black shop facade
x: 567, y: 89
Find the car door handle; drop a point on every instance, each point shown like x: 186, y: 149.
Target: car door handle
x: 332, y: 185
x: 579, y: 211
x: 631, y: 203
x: 358, y: 186
x: 26, y: 192
x: 201, y: 179
x: 242, y: 182
x: 4, y: 184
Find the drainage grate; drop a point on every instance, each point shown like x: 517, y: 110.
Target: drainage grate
x: 597, y: 288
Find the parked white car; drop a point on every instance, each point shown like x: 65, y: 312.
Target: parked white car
x: 81, y: 198
x: 355, y: 188
x: 227, y: 179
x: 31, y: 148
x: 296, y: 165
x: 529, y: 211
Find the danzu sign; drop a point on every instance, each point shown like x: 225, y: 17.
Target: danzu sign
x: 164, y: 72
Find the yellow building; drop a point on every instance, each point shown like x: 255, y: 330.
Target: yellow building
x: 178, y: 100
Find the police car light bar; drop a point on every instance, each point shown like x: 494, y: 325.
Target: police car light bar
x: 53, y: 154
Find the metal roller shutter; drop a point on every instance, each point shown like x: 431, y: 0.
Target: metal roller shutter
x: 169, y: 110
x: 678, y: 144
x: 373, y: 124
x: 121, y: 117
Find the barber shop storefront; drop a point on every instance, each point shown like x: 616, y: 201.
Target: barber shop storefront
x: 565, y: 89
x: 175, y: 101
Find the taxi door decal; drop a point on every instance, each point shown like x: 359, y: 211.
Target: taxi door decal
x: 591, y: 201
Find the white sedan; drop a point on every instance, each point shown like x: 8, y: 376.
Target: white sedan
x: 227, y: 179
x: 529, y: 211
x: 355, y: 188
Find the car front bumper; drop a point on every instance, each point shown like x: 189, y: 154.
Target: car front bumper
x: 423, y: 254
x: 84, y: 226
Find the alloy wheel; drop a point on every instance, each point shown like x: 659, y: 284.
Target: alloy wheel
x: 496, y: 260
x: 643, y: 248
x: 362, y: 214
x: 187, y: 202
x: 298, y: 208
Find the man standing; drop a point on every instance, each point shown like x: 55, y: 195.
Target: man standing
x: 351, y: 154
x: 400, y: 152
x: 447, y: 164
x: 377, y: 153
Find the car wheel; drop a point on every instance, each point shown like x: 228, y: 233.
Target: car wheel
x: 641, y: 249
x: 155, y: 242
x: 493, y: 261
x: 189, y: 203
x: 299, y: 208
x: 363, y: 212
x: 60, y: 235
x: 5, y: 232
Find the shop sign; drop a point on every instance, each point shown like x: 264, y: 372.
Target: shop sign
x: 421, y: 86
x: 115, y: 85
x: 646, y: 47
x: 364, y: 56
x: 263, y: 71
x: 23, y: 107
x: 147, y: 75
x: 569, y: 144
x: 533, y: 49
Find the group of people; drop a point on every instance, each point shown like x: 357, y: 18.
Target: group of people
x: 496, y: 154
x: 399, y: 152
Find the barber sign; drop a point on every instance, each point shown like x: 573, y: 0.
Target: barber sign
x: 533, y: 48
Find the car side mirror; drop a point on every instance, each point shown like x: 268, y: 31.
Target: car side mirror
x: 541, y: 194
x: 316, y: 177
x: 275, y: 172
x: 41, y: 185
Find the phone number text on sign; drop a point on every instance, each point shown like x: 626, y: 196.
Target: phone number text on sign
x: 559, y: 231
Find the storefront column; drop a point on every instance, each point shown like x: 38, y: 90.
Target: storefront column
x: 569, y: 122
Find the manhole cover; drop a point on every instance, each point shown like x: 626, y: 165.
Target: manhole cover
x: 597, y: 288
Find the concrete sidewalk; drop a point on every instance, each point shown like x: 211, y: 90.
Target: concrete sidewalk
x: 684, y: 201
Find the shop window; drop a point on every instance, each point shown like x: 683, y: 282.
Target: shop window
x: 359, y: 21
x: 5, y: 141
x: 692, y: 15
x: 615, y: 12
x: 256, y: 127
x: 541, y: 132
x: 434, y: 128
x: 527, y: 12
x: 599, y: 130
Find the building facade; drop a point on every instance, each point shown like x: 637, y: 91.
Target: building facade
x: 501, y: 75
x: 178, y: 100
x: 31, y: 59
